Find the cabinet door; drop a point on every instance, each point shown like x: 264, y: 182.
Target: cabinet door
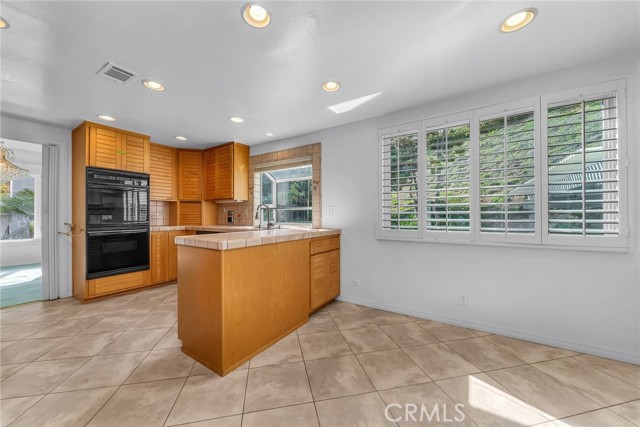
x: 163, y: 171
x: 318, y: 280
x: 104, y: 148
x: 210, y: 169
x: 189, y: 164
x: 158, y: 257
x: 240, y: 172
x: 190, y: 213
x: 224, y: 172
x: 172, y: 253
x: 333, y: 275
x: 135, y: 153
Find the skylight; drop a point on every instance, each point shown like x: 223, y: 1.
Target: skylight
x: 354, y: 103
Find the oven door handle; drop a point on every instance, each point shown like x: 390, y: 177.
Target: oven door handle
x: 118, y: 187
x: 113, y: 232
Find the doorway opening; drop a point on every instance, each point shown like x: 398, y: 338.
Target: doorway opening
x: 21, y: 224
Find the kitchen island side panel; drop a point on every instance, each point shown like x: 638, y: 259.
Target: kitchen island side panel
x: 265, y: 296
x: 200, y: 305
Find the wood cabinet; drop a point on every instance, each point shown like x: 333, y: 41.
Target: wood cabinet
x: 189, y: 175
x: 227, y: 172
x: 113, y: 148
x: 189, y: 213
x: 163, y: 172
x: 172, y: 252
x: 113, y: 284
x: 101, y: 146
x: 324, y: 271
x: 158, y: 252
x: 234, y: 304
x: 164, y: 255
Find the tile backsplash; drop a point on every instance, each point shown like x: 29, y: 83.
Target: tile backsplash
x: 242, y: 213
x: 159, y: 213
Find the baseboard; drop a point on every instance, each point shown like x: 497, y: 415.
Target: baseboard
x: 500, y: 330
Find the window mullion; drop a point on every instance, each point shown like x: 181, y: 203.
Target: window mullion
x: 584, y: 170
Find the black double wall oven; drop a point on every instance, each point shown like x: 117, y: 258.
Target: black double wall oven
x: 118, y: 223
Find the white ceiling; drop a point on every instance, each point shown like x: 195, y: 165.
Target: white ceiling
x: 215, y: 66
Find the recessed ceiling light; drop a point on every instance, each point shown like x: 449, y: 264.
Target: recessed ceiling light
x: 269, y: 134
x: 153, y: 85
x: 331, y: 85
x: 255, y: 15
x: 107, y: 118
x: 518, y: 20
x: 236, y: 119
x: 181, y: 138
x: 4, y: 24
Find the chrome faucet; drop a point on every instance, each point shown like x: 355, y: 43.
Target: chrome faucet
x: 270, y: 225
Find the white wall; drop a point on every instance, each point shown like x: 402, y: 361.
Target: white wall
x: 21, y: 130
x: 586, y: 301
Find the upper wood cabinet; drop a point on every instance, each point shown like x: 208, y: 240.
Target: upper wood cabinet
x: 227, y: 172
x: 164, y: 172
x: 136, y: 156
x: 113, y: 148
x: 189, y: 175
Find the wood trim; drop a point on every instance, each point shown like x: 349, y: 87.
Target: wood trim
x: 79, y: 157
x: 119, y: 130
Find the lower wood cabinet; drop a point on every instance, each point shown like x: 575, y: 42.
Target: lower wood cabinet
x: 119, y: 283
x: 164, y: 255
x: 324, y: 271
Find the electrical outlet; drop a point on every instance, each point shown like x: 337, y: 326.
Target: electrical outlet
x: 462, y: 299
x: 356, y: 282
x: 330, y: 210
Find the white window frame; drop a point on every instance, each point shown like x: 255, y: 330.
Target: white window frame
x: 617, y: 87
x: 450, y: 120
x: 541, y: 237
x: 390, y: 131
x: 498, y: 111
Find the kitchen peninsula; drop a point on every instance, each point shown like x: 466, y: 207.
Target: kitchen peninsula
x: 241, y: 292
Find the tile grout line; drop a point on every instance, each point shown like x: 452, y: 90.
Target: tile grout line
x: 246, y: 389
x: 599, y: 370
x: 304, y: 363
x: 166, y: 419
x: 375, y: 389
x: 78, y: 334
x: 123, y: 383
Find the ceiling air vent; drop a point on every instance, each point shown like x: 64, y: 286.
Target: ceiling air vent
x: 116, y: 73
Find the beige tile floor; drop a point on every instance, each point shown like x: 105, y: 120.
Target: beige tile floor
x: 118, y: 362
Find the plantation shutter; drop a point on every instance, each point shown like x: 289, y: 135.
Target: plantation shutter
x: 507, y: 176
x: 448, y: 179
x: 399, y: 183
x: 583, y: 187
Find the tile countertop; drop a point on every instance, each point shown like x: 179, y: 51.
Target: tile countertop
x: 216, y: 228
x: 225, y: 241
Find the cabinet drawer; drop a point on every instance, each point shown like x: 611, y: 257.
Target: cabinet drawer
x: 318, y: 246
x: 121, y: 282
x: 324, y: 245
